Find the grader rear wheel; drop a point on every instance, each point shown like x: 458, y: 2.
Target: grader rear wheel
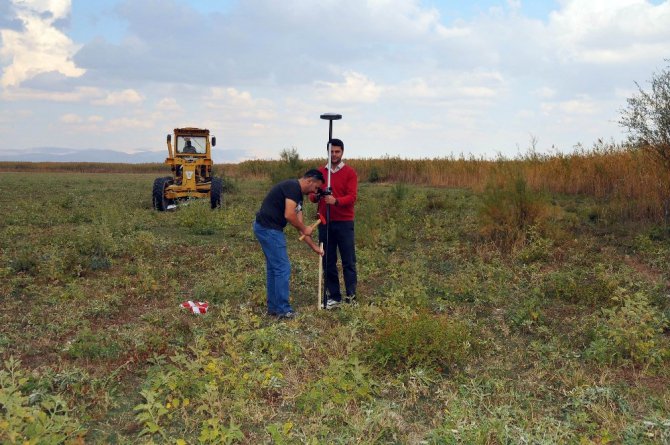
x: 216, y: 192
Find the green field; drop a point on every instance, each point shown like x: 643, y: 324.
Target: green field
x: 500, y: 317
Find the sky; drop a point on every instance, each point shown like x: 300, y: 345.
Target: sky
x: 411, y: 78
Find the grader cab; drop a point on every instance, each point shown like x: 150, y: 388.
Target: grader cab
x: 190, y: 159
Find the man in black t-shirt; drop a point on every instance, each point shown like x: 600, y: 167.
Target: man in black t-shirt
x: 282, y: 205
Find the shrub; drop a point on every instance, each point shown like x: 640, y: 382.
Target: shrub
x: 526, y: 314
x: 399, y: 191
x: 25, y: 418
x: 90, y: 345
x: 631, y: 333
x: 290, y: 166
x: 24, y: 261
x: 374, y: 175
x: 435, y: 201
x: 588, y: 406
x: 579, y: 286
x: 141, y: 244
x: 509, y: 208
x: 424, y: 340
x: 647, y: 117
x: 344, y: 381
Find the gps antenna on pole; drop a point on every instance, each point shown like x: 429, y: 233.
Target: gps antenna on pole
x: 330, y: 117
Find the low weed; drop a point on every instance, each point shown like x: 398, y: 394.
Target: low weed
x: 592, y: 287
x: 427, y: 341
x: 24, y: 261
x: 631, y: 333
x: 33, y: 417
x: 455, y: 339
x: 344, y: 381
x: 399, y: 191
x: 90, y: 345
x: 527, y: 314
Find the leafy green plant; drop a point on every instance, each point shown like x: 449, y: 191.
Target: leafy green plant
x: 594, y: 286
x: 373, y: 175
x: 631, y: 333
x: 93, y: 345
x: 281, y: 434
x: 27, y: 418
x: 435, y: 201
x: 428, y: 341
x: 526, y: 314
x: 24, y: 261
x: 587, y: 407
x: 399, y: 191
x: 344, y: 381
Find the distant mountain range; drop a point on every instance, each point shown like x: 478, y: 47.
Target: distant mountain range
x: 59, y: 154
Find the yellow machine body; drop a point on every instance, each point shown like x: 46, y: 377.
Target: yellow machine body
x: 190, y: 159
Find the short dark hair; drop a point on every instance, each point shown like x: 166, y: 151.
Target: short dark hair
x: 315, y: 174
x: 337, y: 142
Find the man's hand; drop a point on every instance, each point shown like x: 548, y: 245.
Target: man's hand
x: 329, y: 199
x: 313, y: 245
x: 307, y: 231
x: 316, y: 249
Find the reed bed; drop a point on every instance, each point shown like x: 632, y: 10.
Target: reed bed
x: 627, y: 179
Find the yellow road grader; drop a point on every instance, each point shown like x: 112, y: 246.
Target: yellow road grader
x: 191, y: 161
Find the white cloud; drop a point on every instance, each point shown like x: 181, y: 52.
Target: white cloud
x: 168, y: 104
x: 40, y: 47
x: 582, y: 105
x: 240, y: 104
x: 356, y: 88
x: 406, y: 79
x: 449, y: 86
x: 545, y: 92
x: 611, y: 31
x: 125, y: 123
x: 71, y: 118
x: 128, y: 96
x: 78, y: 94
x: 232, y: 97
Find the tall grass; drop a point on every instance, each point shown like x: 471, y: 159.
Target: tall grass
x: 633, y: 184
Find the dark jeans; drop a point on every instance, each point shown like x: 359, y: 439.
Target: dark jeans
x: 340, y: 238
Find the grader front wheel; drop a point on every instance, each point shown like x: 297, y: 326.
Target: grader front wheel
x: 161, y: 203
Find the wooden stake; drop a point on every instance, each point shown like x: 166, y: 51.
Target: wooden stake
x: 319, y: 303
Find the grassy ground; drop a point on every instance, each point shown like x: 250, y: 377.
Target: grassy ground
x: 472, y: 327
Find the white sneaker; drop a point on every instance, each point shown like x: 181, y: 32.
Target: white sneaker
x: 332, y: 304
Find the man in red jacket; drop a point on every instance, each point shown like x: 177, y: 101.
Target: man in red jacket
x: 340, y: 231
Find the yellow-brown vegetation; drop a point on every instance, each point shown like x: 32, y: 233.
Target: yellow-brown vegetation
x: 634, y: 184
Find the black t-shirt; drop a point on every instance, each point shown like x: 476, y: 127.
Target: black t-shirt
x: 271, y: 214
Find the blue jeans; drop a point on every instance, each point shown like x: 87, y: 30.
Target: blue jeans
x: 278, y: 268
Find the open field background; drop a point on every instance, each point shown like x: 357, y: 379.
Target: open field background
x: 520, y: 301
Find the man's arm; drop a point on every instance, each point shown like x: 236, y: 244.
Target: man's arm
x: 295, y: 218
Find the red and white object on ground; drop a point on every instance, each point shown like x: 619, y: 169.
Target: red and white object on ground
x: 197, y: 307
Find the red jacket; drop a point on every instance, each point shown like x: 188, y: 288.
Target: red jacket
x: 344, y: 184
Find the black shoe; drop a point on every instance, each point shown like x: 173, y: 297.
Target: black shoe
x: 350, y: 299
